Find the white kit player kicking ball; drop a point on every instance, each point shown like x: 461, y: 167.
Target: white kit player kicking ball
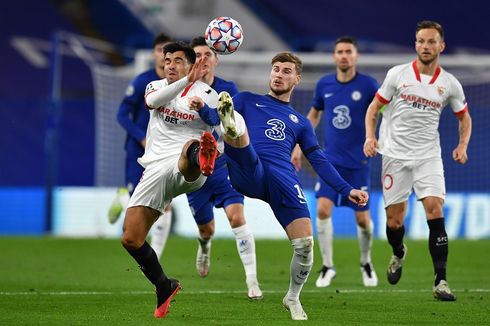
x: 415, y: 95
x: 175, y: 161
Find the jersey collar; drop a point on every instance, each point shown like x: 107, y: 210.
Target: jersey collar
x: 417, y: 72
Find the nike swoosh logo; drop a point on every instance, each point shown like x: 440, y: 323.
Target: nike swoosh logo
x: 260, y: 105
x: 328, y: 95
x: 302, y: 202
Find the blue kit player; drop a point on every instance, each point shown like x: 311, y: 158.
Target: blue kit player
x: 133, y: 116
x: 218, y: 192
x: 344, y: 98
x: 260, y: 133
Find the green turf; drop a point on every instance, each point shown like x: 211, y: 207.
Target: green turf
x: 50, y: 281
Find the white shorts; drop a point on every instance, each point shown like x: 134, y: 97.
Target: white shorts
x: 161, y: 182
x: 399, y: 177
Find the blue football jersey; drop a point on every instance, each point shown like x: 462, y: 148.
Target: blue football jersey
x: 345, y: 106
x: 274, y: 128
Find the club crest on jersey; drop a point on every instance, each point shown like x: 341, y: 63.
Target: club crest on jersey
x: 149, y: 88
x: 293, y: 118
x: 441, y: 90
x: 130, y: 90
x: 356, y: 95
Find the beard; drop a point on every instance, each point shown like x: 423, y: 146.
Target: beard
x: 426, y: 61
x: 279, y: 92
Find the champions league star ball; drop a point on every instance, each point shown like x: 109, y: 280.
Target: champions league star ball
x: 224, y: 35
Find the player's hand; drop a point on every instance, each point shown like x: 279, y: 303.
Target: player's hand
x: 459, y: 154
x: 143, y: 142
x: 196, y: 103
x: 359, y: 197
x: 296, y: 157
x: 198, y: 69
x: 370, y: 147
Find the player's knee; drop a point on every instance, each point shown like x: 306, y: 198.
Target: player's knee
x: 303, y: 248
x: 236, y: 220
x: 394, y: 224
x: 130, y: 241
x: 363, y: 221
x: 206, y: 231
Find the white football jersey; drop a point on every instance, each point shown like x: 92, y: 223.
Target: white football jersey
x: 174, y: 123
x: 414, y: 103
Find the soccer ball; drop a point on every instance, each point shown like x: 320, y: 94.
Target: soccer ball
x: 224, y: 35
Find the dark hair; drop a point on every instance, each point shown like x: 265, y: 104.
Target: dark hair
x: 161, y: 38
x: 198, y: 41
x: 345, y: 39
x: 289, y: 57
x: 425, y: 24
x: 190, y: 55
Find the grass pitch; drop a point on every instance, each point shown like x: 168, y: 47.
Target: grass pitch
x: 52, y: 281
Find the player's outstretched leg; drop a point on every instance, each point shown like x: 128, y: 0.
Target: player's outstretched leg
x: 208, y: 151
x: 394, y: 272
x: 203, y: 258
x: 227, y: 115
x: 164, y: 297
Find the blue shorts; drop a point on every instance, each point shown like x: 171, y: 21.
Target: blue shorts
x: 134, y: 171
x: 277, y: 186
x: 216, y: 191
x: 358, y: 178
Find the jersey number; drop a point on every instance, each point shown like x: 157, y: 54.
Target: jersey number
x: 301, y: 195
x: 342, y: 120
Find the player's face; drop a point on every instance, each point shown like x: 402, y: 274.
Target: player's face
x: 429, y: 45
x: 283, y: 77
x: 158, y: 55
x: 204, y: 51
x: 345, y: 56
x: 176, y: 66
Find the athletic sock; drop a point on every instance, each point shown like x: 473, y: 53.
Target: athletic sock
x: 160, y: 231
x: 246, y: 249
x: 325, y: 240
x: 193, y: 153
x: 301, y: 264
x: 365, y: 237
x: 149, y: 265
x: 438, y: 247
x: 395, y: 239
x: 205, y: 244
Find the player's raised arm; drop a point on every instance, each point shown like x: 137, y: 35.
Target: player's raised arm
x: 371, y: 143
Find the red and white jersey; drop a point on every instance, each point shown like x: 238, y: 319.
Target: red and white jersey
x: 414, y: 103
x: 173, y: 123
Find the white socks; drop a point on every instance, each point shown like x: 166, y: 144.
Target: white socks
x: 365, y: 237
x: 246, y: 249
x: 240, y: 125
x: 301, y: 264
x: 325, y: 240
x: 160, y: 231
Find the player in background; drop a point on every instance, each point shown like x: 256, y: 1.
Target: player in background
x: 217, y: 191
x: 259, y: 162
x: 415, y: 94
x: 344, y: 97
x: 174, y: 161
x: 133, y: 116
